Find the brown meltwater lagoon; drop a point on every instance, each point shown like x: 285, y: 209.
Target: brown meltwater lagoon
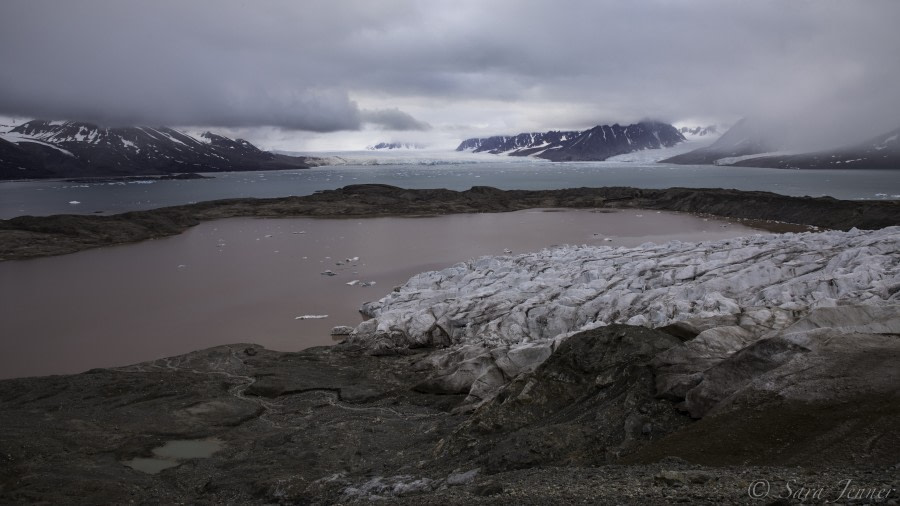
x: 248, y: 280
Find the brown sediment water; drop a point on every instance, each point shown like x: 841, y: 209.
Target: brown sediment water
x: 248, y: 280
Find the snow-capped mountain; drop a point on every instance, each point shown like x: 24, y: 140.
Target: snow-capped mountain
x: 882, y: 152
x: 393, y: 145
x: 749, y: 144
x: 517, y: 145
x: 746, y: 137
x: 42, y: 149
x: 598, y: 143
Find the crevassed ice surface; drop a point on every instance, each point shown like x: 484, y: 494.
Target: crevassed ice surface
x: 505, y: 300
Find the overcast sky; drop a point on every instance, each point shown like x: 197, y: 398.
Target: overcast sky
x: 342, y: 74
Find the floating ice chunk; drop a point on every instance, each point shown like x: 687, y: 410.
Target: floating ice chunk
x: 329, y: 273
x: 341, y: 330
x: 74, y: 202
x: 311, y: 317
x: 300, y: 232
x: 353, y: 283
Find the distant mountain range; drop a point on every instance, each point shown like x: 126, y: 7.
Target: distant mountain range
x: 54, y: 149
x: 882, y: 152
x: 393, y: 145
x: 742, y: 139
x: 749, y: 144
x: 598, y: 143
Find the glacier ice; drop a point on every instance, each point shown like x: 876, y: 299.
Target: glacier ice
x: 484, y: 310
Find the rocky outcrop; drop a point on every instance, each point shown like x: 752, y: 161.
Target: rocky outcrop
x: 832, y: 353
x: 42, y: 149
x: 598, y: 143
x: 589, y: 402
x: 29, y: 237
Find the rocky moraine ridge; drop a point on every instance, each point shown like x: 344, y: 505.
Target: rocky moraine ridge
x: 726, y: 372
x: 56, y: 149
x: 595, y: 144
x: 36, y: 236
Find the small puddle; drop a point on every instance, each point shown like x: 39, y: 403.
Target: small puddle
x: 173, y: 452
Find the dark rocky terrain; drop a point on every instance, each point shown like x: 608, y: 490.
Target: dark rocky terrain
x: 598, y: 143
x: 330, y: 425
x: 747, y: 138
x: 30, y: 236
x: 43, y: 149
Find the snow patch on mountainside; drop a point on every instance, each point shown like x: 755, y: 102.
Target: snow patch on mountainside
x: 17, y: 138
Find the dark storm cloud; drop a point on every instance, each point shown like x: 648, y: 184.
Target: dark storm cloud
x: 336, y: 65
x: 394, y: 119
